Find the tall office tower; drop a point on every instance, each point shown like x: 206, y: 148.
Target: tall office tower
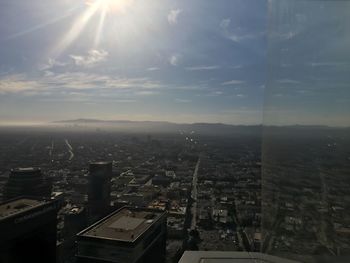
x: 27, y: 182
x: 127, y: 235
x: 28, y: 230
x: 99, y: 190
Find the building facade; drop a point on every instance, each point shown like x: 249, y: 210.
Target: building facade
x: 27, y: 182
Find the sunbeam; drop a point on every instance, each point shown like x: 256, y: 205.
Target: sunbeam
x: 100, y: 27
x: 75, y: 31
x: 41, y: 26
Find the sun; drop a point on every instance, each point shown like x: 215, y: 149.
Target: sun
x: 113, y: 6
x: 100, y: 8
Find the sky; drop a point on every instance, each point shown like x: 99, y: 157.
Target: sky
x: 308, y: 63
x: 229, y: 61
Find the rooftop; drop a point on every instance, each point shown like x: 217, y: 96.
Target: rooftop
x: 100, y: 163
x: 27, y: 169
x: 124, y: 225
x: 18, y: 206
x: 230, y: 257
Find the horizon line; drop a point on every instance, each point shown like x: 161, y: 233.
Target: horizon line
x: 92, y: 120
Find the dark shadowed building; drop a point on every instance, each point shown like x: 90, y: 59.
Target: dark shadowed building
x: 100, y: 174
x: 27, y: 182
x: 28, y: 230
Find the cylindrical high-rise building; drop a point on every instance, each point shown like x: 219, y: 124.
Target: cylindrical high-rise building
x: 100, y: 174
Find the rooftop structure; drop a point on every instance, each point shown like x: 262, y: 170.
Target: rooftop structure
x: 230, y: 257
x: 138, y: 235
x: 18, y: 206
x: 126, y: 225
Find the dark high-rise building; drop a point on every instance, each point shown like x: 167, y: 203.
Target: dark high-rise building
x: 27, y: 182
x: 100, y: 174
x: 127, y: 235
x: 28, y: 230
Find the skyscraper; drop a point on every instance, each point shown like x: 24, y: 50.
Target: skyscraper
x: 28, y: 230
x: 99, y: 190
x: 127, y: 235
x: 27, y: 182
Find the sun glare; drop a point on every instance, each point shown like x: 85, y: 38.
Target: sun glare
x: 95, y: 7
x: 113, y: 6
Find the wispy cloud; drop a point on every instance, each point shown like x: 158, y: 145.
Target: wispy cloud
x: 126, y: 100
x: 74, y: 82
x: 200, y: 68
x: 288, y: 35
x: 288, y: 81
x: 175, y: 59
x: 92, y: 58
x: 173, y: 16
x: 18, y: 83
x: 146, y: 92
x: 51, y: 63
x: 327, y: 64
x: 153, y: 69
x: 233, y: 82
x: 225, y: 26
x: 182, y: 100
x: 225, y: 23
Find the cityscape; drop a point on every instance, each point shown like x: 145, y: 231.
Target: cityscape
x: 174, y: 131
x: 206, y: 192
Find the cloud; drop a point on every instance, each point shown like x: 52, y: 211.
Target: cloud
x: 236, y: 36
x: 288, y: 35
x: 213, y: 94
x: 173, y: 16
x: 18, y: 83
x: 326, y: 64
x: 92, y: 58
x: 225, y: 23
x: 190, y: 87
x: 51, y: 63
x: 63, y: 83
x: 126, y: 100
x: 146, y: 92
x: 174, y: 59
x: 153, y: 69
x: 288, y: 81
x: 199, y: 68
x: 233, y: 82
x: 182, y: 100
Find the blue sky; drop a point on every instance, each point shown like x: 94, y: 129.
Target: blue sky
x: 308, y: 72
x: 180, y: 61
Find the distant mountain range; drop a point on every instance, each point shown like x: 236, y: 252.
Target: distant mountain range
x: 200, y: 128
x: 163, y: 126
